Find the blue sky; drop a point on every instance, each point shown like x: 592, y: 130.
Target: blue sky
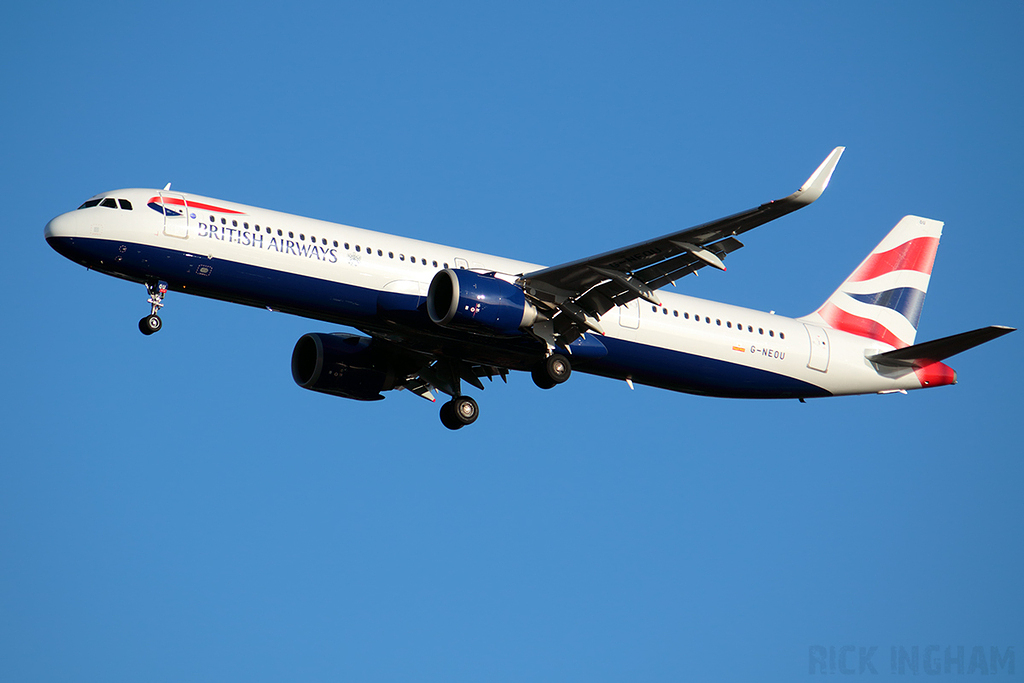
x: 175, y: 508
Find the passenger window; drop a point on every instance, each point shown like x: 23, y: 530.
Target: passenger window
x: 750, y: 328
x: 125, y: 204
x: 729, y: 325
x: 654, y: 309
x: 302, y: 237
x: 223, y: 221
x: 346, y: 245
x: 782, y: 335
x: 718, y: 322
x: 335, y: 243
x: 291, y: 234
x: 391, y: 254
x: 664, y: 310
x: 357, y: 247
x: 323, y: 241
x: 435, y: 264
x: 771, y: 333
x: 109, y: 203
x: 279, y: 233
x: 234, y: 224
x: 245, y: 225
x: 675, y: 313
x: 401, y: 257
x: 707, y: 320
x: 213, y: 219
x: 380, y: 252
x: 760, y: 330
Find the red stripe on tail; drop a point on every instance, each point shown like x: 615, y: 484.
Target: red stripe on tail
x: 917, y: 254
x: 839, y: 319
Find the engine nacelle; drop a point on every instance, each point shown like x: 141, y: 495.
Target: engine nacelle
x: 471, y: 301
x: 342, y: 365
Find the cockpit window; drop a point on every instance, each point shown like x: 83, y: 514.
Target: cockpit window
x: 108, y: 202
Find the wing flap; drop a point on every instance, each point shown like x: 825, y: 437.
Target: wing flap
x: 659, y: 275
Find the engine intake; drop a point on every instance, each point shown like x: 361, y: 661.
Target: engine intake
x: 466, y: 300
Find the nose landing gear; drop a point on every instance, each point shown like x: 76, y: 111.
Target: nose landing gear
x: 152, y: 323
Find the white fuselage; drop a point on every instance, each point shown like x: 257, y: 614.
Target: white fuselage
x: 214, y: 248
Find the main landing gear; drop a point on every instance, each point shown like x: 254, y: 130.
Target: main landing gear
x: 152, y: 323
x: 446, y: 375
x: 459, y: 412
x: 555, y: 369
x: 463, y: 410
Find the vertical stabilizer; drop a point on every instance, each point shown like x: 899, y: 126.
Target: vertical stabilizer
x: 883, y: 298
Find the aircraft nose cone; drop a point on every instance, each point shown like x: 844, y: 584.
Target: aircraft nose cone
x: 61, y: 226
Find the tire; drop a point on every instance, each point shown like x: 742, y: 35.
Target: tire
x: 541, y: 379
x: 558, y: 368
x: 554, y: 370
x: 150, y: 324
x: 448, y: 418
x: 465, y: 410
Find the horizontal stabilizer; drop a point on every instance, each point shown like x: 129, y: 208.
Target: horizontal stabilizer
x: 930, y: 352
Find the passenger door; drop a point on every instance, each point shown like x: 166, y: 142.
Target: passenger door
x: 176, y: 214
x: 819, y: 348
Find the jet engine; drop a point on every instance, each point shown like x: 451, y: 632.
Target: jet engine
x: 475, y: 302
x: 343, y: 365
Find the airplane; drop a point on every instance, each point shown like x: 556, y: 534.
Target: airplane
x: 434, y: 316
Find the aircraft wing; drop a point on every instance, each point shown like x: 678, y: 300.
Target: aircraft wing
x: 577, y: 294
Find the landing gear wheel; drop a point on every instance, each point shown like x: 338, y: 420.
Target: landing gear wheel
x: 466, y: 410
x: 554, y: 370
x: 459, y: 412
x: 150, y: 324
x: 448, y: 417
x: 541, y: 379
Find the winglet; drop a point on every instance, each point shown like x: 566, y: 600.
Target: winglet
x: 818, y: 181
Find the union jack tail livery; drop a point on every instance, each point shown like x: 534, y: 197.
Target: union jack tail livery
x: 882, y: 299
